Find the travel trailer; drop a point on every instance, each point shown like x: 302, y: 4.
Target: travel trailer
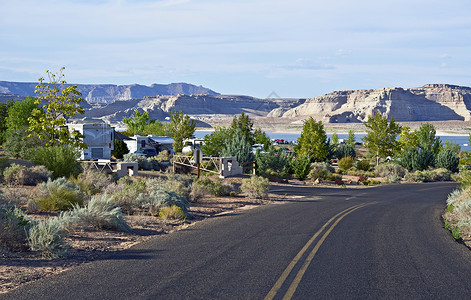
x: 99, y: 138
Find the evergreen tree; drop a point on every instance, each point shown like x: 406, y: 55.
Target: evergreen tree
x: 239, y: 146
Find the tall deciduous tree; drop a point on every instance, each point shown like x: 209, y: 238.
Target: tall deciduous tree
x: 59, y: 103
x: 381, y: 135
x: 19, y: 113
x: 313, y: 141
x: 214, y: 142
x: 138, y: 122
x: 4, y: 107
x: 182, y: 128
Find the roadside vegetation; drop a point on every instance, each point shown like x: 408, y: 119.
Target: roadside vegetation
x: 68, y: 196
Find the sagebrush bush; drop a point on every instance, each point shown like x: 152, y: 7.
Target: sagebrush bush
x: 390, y: 169
x: 429, y: 175
x: 172, y: 212
x: 255, y: 187
x: 91, y: 181
x: 177, y: 185
x: 346, y: 163
x: 146, y: 197
x: 143, y: 162
x: 21, y: 175
x: 323, y: 174
x: 100, y: 212
x: 57, y: 195
x: 447, y: 159
x: 48, y: 237
x: 345, y: 150
x: 364, y: 165
x: 13, y: 227
x: 163, y: 156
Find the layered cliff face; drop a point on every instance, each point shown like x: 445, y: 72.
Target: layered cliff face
x: 433, y: 102
x: 197, y: 106
x: 108, y: 93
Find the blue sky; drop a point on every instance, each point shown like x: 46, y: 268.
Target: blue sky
x: 297, y: 48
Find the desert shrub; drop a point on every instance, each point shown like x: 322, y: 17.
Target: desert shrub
x: 390, y: 169
x: 59, y: 194
x: 416, y: 159
x: 21, y: 175
x: 13, y: 175
x: 91, y: 181
x: 363, y: 165
x: 60, y: 160
x: 125, y: 193
x: 255, y: 187
x: 100, y: 212
x: 172, y: 213
x: 301, y: 167
x: 429, y: 175
x: 322, y: 165
x: 177, y: 185
x: 120, y: 149
x: 275, y: 163
x: 13, y: 226
x: 447, y: 159
x: 163, y: 156
x: 144, y: 163
x: 323, y: 174
x: 345, y: 150
x: 160, y: 197
x: 422, y: 160
x: 392, y: 178
x: 48, y: 237
x: 346, y: 163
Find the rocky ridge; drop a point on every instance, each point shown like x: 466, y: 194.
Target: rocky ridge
x: 108, y: 93
x: 432, y: 102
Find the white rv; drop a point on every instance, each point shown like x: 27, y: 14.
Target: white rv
x: 159, y: 143
x: 99, y: 138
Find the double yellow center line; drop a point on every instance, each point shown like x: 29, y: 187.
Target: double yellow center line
x: 292, y: 288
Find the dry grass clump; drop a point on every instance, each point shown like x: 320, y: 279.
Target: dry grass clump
x: 255, y: 187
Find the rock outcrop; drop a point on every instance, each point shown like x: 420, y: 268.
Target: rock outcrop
x: 197, y: 106
x: 108, y: 93
x: 432, y: 102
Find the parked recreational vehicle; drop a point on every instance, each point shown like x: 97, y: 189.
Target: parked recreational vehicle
x: 159, y: 143
x: 99, y: 138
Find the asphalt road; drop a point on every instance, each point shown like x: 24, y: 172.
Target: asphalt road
x: 381, y: 242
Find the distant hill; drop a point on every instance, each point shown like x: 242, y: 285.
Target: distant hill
x: 431, y: 102
x: 108, y: 93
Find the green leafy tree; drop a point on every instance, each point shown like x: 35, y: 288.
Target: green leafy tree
x: 4, y: 108
x: 456, y: 148
x: 313, y: 141
x: 20, y: 112
x: 214, y: 143
x: 49, y: 121
x: 381, y: 135
x: 239, y: 146
x: 351, y: 138
x: 245, y: 125
x: 157, y: 128
x: 260, y: 137
x: 407, y: 140
x: 182, y: 128
x: 20, y: 143
x: 138, y: 122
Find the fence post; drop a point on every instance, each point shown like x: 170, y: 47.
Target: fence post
x: 254, y: 167
x: 197, y: 158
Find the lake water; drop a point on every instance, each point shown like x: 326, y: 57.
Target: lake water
x: 291, y: 137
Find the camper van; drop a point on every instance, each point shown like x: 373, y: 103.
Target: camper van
x: 99, y: 138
